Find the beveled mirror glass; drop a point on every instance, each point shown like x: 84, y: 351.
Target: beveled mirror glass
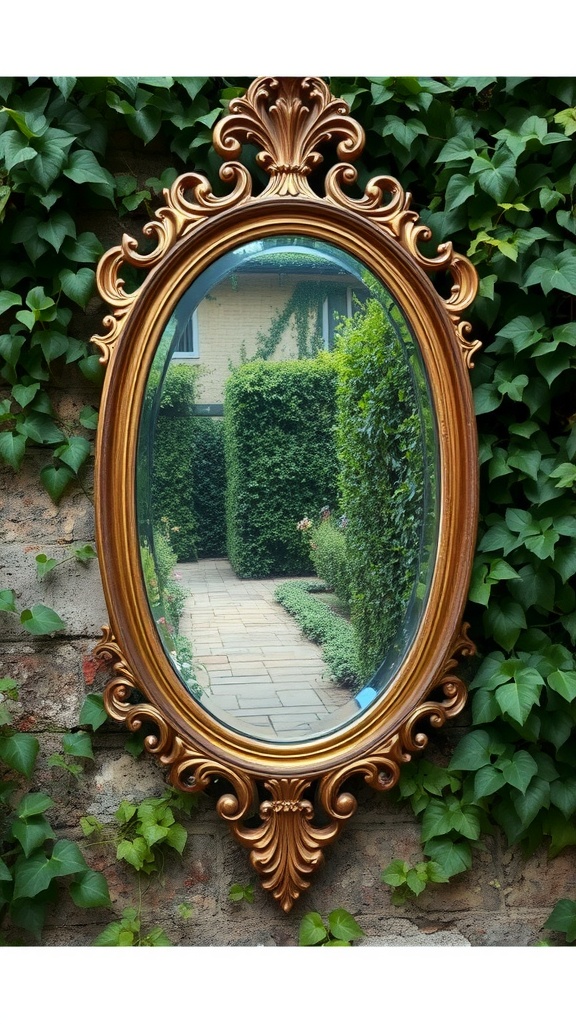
x: 288, y: 371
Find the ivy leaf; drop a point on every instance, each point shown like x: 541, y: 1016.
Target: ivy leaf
x: 83, y: 168
x: 496, y: 177
x: 565, y: 561
x: 487, y: 780
x: 563, y: 917
x: 90, y: 889
x: 32, y: 832
x: 87, y: 248
x: 44, y: 565
x: 56, y: 479
x: 528, y: 804
x: 33, y: 804
x: 395, y: 873
x: 518, y: 697
x: 41, y: 428
x: 41, y: 620
x: 32, y: 875
x: 567, y: 118
x: 473, y: 751
x: 452, y: 856
x: 85, y: 553
x: 460, y: 188
x: 53, y: 344
x: 89, y: 417
x: 74, y: 453
x: 7, y: 601
x: 78, y: 286
x: 563, y: 795
x: 15, y: 149
x: 176, y: 837
x: 343, y: 926
x: 12, y: 448
x: 19, y: 752
x: 79, y: 744
x: 534, y: 587
x: 312, y: 930
x: 520, y: 770
x: 65, y: 85
x: 563, y: 683
x: 9, y: 299
x: 565, y: 473
x: 55, y: 230
x: 67, y: 859
x: 505, y: 620
x: 92, y: 369
x: 24, y: 394
x: 487, y: 397
x: 459, y: 148
x: 554, y: 273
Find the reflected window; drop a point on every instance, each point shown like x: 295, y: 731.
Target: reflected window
x: 187, y: 344
x: 337, y: 304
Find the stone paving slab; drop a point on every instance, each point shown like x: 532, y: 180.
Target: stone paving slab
x: 252, y: 658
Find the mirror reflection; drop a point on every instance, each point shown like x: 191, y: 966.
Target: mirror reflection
x: 287, y: 488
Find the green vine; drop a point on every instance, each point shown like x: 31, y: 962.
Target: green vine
x: 305, y: 306
x: 490, y: 163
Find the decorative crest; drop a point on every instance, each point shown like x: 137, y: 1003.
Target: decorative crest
x: 288, y: 117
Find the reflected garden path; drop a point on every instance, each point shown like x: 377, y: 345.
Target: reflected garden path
x: 250, y: 656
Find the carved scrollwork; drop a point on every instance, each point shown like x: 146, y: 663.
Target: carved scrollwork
x: 380, y: 769
x: 179, y: 216
x: 290, y: 120
x: 287, y: 847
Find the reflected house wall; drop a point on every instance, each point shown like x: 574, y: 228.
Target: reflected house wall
x: 236, y: 314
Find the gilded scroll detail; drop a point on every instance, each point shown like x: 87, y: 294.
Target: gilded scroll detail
x: 289, y: 118
x: 287, y: 847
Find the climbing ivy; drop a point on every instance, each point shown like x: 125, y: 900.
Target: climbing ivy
x: 490, y: 163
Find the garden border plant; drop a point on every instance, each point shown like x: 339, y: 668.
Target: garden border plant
x: 490, y: 162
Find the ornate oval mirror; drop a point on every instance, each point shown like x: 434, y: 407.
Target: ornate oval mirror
x: 286, y: 474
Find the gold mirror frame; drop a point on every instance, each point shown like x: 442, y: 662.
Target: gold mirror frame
x: 288, y: 118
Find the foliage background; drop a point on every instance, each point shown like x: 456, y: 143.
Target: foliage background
x: 490, y: 163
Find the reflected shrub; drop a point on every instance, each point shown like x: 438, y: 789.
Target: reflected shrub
x: 280, y: 455
x: 325, y: 627
x: 329, y: 552
x: 383, y: 474
x: 188, y: 479
x: 209, y: 487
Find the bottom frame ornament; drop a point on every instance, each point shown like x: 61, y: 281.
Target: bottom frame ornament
x: 286, y: 848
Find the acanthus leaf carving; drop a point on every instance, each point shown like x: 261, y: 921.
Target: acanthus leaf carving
x: 288, y: 118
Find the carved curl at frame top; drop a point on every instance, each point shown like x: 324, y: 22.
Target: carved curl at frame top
x: 288, y: 118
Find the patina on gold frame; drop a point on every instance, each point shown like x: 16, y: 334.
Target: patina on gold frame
x: 288, y: 118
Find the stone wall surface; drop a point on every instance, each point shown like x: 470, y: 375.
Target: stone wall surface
x: 503, y: 901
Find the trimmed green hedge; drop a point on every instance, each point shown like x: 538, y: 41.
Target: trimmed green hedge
x: 280, y: 461
x: 382, y: 483
x: 188, y: 476
x: 323, y: 626
x: 209, y: 476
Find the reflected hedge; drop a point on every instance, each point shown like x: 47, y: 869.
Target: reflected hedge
x: 280, y: 461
